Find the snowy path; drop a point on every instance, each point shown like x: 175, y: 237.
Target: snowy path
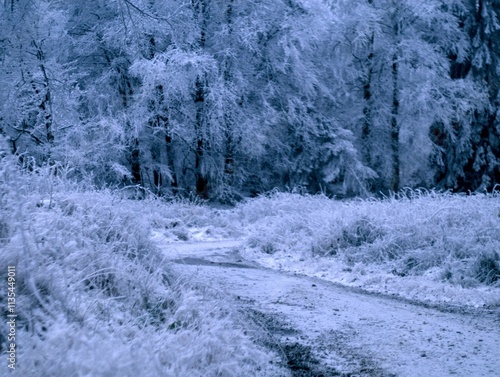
x: 325, y: 329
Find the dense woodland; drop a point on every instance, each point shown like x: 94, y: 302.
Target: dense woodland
x: 228, y: 98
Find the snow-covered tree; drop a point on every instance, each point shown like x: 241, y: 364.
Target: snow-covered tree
x: 36, y: 100
x: 223, y: 99
x: 246, y: 98
x: 400, y: 77
x: 479, y: 165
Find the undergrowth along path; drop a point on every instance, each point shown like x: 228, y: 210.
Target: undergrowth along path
x: 323, y: 329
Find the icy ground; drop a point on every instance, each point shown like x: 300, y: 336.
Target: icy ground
x: 322, y: 328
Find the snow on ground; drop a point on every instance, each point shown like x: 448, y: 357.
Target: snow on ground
x: 429, y: 288
x: 174, y: 249
x: 324, y: 329
x: 405, y: 287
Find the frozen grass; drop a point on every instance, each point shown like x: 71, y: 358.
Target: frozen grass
x: 94, y: 298
x: 185, y: 221
x: 401, y: 245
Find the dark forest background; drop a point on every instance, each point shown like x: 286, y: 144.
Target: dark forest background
x: 224, y: 99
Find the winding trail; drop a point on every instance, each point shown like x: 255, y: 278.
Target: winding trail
x: 322, y: 329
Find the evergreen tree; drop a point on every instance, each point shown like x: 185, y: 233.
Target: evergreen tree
x: 482, y: 170
x: 400, y: 78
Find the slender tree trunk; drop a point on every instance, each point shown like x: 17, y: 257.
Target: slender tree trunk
x: 46, y: 107
x: 135, y: 161
x: 229, y: 121
x: 201, y: 180
x: 170, y: 160
x: 125, y: 90
x: 161, y: 120
x: 200, y: 177
x: 395, y: 126
x: 366, y: 132
x: 9, y: 4
x: 170, y: 155
x: 45, y: 104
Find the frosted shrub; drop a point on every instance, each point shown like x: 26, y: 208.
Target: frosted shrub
x: 486, y: 267
x: 360, y: 232
x: 408, y: 235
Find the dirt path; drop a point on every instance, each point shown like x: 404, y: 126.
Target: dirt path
x: 326, y: 330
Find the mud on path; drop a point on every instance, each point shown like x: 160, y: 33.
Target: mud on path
x: 322, y: 329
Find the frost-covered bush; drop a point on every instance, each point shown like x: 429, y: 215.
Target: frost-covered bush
x: 408, y: 235
x: 94, y: 296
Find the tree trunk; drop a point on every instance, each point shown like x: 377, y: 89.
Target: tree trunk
x: 395, y: 126
x: 46, y: 107
x: 125, y: 91
x: 229, y: 121
x: 367, y: 110
x: 45, y: 104
x: 170, y: 160
x: 135, y: 161
x: 201, y: 180
x: 135, y: 155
